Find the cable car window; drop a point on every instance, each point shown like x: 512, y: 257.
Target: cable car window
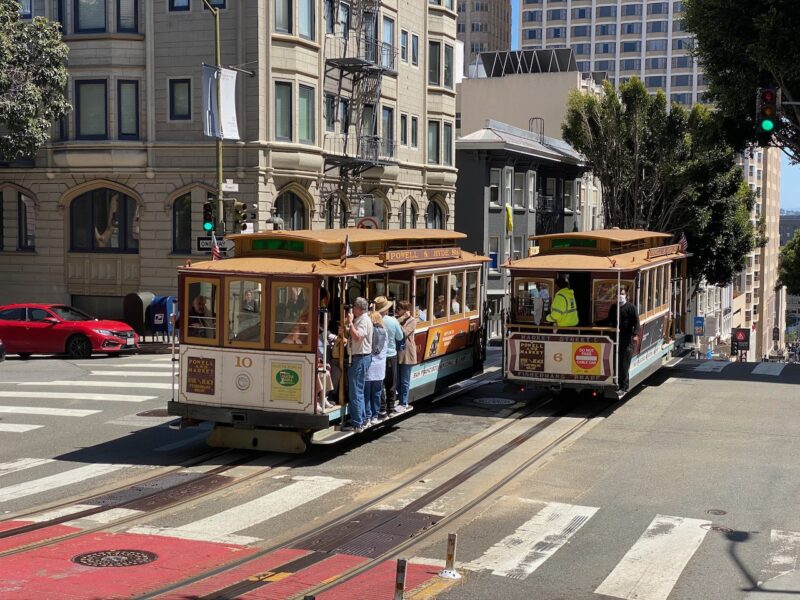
x: 532, y: 299
x: 457, y: 294
x: 290, y: 316
x: 440, y: 293
x: 423, y: 299
x: 657, y: 282
x: 604, y: 296
x: 376, y: 286
x: 201, y: 314
x: 398, y: 291
x: 471, y: 296
x: 245, y: 320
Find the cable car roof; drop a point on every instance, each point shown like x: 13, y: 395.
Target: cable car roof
x: 614, y: 235
x: 353, y: 235
x: 629, y: 261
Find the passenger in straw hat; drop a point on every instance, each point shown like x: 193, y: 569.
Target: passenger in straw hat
x: 395, y: 335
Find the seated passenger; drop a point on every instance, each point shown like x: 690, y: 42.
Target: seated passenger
x: 439, y: 308
x: 298, y: 334
x: 248, y: 303
x: 455, y: 306
x: 201, y: 323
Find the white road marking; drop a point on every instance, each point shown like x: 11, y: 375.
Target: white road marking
x: 78, y: 396
x: 137, y: 421
x: 44, y: 484
x: 782, y: 572
x: 769, y: 368
x: 95, y: 365
x: 128, y: 374
x: 17, y: 427
x: 521, y: 553
x: 104, y: 518
x: 222, y: 526
x: 78, y: 383
x: 649, y: 570
x: 57, y: 513
x: 21, y: 464
x: 54, y: 412
x: 711, y: 366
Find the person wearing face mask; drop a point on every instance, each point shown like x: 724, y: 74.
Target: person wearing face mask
x: 628, y: 335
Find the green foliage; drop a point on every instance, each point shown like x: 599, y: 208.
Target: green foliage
x: 665, y: 171
x: 789, y: 265
x: 742, y: 44
x: 33, y: 77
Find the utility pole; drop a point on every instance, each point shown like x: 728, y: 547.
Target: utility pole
x: 219, y: 226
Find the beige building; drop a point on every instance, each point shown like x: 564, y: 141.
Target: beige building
x: 483, y: 26
x: 348, y: 118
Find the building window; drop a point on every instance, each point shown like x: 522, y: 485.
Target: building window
x: 607, y: 29
x: 631, y: 28
x: 519, y: 190
x: 178, y: 5
x: 330, y: 18
x: 533, y: 34
x: 403, y: 45
x: 447, y: 144
x: 344, y: 20
x: 404, y: 130
x: 494, y: 253
x: 292, y: 210
x: 434, y: 63
x: 305, y: 114
x: 630, y: 64
x: 90, y: 16
x: 90, y: 110
x: 387, y: 49
x: 414, y: 132
x: 631, y: 10
x: 657, y: 27
x: 182, y: 224
x: 128, y: 16
x: 681, y: 80
x: 656, y: 64
x: 556, y: 32
x: 344, y: 115
x: 605, y: 47
x: 104, y: 220
x: 283, y: 111
x: 448, y: 67
x: 330, y: 112
x: 682, y: 44
x: 26, y: 238
x: 581, y: 13
x: 530, y: 189
x: 305, y: 19
x: 532, y: 16
x: 656, y: 45
x: 215, y: 4
x: 433, y: 142
x: 495, y: 175
x: 414, y: 49
x: 372, y: 207
x: 582, y: 49
x: 559, y: 14
x: 606, y: 11
x: 631, y: 46
x: 180, y: 99
x: 408, y: 215
x: 434, y: 216
x: 581, y: 31
x: 387, y: 131
x: 283, y: 16
x: 25, y: 11
x: 335, y: 213
x: 128, y: 110
x: 658, y: 8
x: 655, y: 81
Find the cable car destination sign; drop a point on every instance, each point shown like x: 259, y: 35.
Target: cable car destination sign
x: 419, y: 254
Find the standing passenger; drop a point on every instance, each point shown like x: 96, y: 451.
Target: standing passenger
x: 563, y: 311
x: 359, y: 328
x: 377, y: 370
x: 407, y: 358
x: 396, y: 336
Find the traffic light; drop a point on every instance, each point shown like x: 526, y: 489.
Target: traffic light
x: 767, y: 107
x: 239, y: 216
x: 208, y: 217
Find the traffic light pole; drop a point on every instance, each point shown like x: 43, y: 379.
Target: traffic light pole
x: 219, y: 225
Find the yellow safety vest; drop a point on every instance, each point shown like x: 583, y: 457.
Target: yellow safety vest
x: 563, y: 311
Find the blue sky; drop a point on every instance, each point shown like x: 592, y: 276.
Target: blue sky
x: 790, y: 174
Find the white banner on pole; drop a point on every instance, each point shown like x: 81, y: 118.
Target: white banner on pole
x: 219, y: 124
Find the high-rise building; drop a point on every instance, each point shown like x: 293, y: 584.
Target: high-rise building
x: 347, y: 117
x: 483, y: 26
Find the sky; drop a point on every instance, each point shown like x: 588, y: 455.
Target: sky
x: 790, y: 174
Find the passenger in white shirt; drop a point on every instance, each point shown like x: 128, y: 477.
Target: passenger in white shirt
x: 359, y: 328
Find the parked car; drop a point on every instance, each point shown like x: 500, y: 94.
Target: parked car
x: 2, y: 351
x: 55, y: 328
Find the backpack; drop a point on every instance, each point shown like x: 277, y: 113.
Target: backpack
x: 378, y: 340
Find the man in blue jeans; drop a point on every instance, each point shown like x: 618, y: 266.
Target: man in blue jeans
x: 358, y: 327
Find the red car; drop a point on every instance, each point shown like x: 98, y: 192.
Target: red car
x: 54, y: 329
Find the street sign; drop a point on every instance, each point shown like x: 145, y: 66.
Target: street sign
x: 204, y: 244
x: 741, y: 337
x: 699, y: 326
x: 229, y: 186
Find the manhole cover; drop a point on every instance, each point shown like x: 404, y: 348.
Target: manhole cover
x: 716, y: 511
x: 495, y: 401
x: 718, y: 528
x: 158, y: 412
x: 115, y: 558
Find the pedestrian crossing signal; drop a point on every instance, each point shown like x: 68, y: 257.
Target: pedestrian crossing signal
x: 208, y: 217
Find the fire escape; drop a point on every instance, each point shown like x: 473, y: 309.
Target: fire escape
x: 355, y: 63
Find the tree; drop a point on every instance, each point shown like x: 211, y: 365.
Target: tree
x: 789, y: 265
x: 665, y: 170
x: 33, y: 77
x: 742, y: 45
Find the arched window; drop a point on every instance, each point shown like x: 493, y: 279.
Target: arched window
x: 434, y: 216
x: 373, y: 207
x: 335, y: 213
x: 408, y: 215
x: 182, y: 224
x: 26, y: 238
x: 104, y: 220
x: 292, y: 210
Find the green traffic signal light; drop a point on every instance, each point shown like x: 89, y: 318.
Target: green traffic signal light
x: 208, y: 217
x: 767, y: 125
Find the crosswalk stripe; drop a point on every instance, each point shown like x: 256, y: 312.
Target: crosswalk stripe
x: 650, y: 568
x: 784, y: 553
x: 521, y: 553
x: 128, y: 365
x: 128, y: 374
x: 711, y: 366
x: 21, y: 464
x: 768, y: 368
x: 74, y: 383
x: 53, y: 412
x: 44, y: 484
x: 222, y: 526
x: 78, y: 396
x: 17, y: 427
x: 57, y: 513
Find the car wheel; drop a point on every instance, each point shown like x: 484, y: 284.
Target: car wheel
x: 24, y: 355
x: 79, y: 346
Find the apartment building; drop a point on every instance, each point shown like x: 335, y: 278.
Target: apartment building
x: 483, y: 26
x: 347, y: 117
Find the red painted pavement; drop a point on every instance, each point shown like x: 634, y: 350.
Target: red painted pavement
x: 23, y: 539
x: 212, y: 584
x: 306, y: 579
x: 49, y: 572
x: 378, y: 583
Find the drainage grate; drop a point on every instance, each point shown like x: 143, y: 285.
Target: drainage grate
x: 716, y: 511
x: 495, y: 401
x: 115, y: 558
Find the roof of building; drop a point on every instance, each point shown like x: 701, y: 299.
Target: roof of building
x: 500, y: 136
